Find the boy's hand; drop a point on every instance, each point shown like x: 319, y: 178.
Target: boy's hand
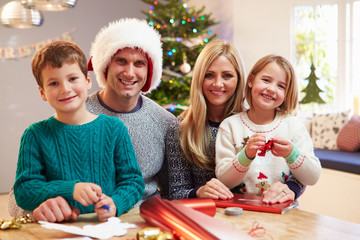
x: 255, y: 142
x: 55, y: 210
x: 87, y: 193
x: 105, y: 208
x: 281, y: 147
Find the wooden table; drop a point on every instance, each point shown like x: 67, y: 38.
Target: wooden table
x: 294, y: 224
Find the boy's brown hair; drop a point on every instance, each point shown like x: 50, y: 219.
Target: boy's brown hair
x: 56, y: 54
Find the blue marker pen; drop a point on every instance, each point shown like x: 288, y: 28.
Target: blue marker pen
x: 107, y: 207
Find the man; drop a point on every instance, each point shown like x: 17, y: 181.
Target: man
x: 126, y: 58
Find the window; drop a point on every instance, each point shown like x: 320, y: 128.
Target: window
x: 327, y: 34
x: 353, y: 46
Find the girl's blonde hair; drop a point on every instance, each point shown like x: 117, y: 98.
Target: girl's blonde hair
x: 291, y: 92
x: 194, y: 130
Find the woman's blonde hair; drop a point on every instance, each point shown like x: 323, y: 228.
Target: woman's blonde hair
x: 194, y: 130
x: 291, y: 93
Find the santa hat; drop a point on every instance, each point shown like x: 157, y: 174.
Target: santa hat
x: 131, y: 33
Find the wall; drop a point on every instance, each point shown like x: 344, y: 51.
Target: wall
x: 222, y: 12
x: 336, y: 195
x: 256, y: 27
x: 262, y: 27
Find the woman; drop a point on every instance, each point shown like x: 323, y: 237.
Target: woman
x: 216, y: 93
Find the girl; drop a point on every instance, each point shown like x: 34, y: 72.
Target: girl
x: 271, y: 92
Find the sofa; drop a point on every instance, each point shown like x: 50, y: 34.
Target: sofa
x: 336, y: 138
x: 339, y: 160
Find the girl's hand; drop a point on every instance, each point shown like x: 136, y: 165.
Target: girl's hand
x: 214, y: 189
x: 282, y: 147
x: 105, y: 208
x: 255, y: 142
x: 278, y: 193
x: 87, y: 193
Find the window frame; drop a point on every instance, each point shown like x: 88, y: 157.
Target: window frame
x: 343, y: 100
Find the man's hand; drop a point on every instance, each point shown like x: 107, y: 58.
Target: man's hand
x: 55, y: 210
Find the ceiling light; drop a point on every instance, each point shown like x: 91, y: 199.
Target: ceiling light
x: 14, y: 15
x: 49, y: 5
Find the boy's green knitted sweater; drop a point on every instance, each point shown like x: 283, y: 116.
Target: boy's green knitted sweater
x: 54, y: 156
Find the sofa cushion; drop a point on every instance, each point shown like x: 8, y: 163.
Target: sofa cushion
x: 326, y: 127
x: 349, y: 136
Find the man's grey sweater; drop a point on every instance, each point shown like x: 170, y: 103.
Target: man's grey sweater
x: 147, y: 128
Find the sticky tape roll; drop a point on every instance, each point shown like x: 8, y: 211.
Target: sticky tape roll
x: 233, y: 211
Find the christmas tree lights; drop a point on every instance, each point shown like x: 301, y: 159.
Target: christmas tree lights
x: 185, y: 32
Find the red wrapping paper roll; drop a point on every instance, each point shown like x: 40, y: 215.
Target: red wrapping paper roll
x: 161, y: 213
x: 186, y: 223
x: 204, y: 205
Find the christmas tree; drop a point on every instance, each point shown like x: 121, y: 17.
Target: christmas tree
x: 185, y: 32
x: 312, y: 90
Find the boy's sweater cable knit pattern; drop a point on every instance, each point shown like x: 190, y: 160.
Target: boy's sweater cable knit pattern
x: 54, y: 156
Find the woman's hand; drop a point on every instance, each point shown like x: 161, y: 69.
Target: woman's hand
x: 278, y: 193
x: 214, y: 189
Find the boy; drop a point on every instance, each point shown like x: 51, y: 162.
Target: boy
x: 86, y: 159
